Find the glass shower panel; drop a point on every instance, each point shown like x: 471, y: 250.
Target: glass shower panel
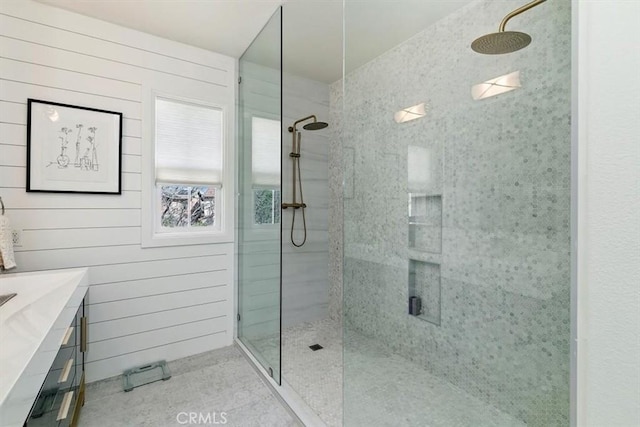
x: 259, y: 179
x: 456, y: 222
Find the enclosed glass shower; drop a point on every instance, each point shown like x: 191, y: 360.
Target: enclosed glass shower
x: 436, y: 278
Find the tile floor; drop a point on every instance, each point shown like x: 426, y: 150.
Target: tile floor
x: 381, y: 388
x: 315, y: 375
x: 217, y: 381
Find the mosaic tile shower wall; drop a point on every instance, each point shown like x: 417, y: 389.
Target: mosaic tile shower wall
x: 494, y: 225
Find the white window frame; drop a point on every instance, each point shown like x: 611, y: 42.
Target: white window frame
x: 153, y: 234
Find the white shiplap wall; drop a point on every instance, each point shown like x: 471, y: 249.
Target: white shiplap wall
x: 145, y: 304
x: 305, y: 276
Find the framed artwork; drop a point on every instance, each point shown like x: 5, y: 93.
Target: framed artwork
x: 73, y: 149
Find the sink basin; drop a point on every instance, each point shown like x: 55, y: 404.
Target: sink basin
x: 5, y: 298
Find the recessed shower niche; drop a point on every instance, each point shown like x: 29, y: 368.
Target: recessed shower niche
x: 424, y: 283
x: 424, y: 184
x: 425, y: 222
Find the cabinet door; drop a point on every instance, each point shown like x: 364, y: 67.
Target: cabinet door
x: 56, y: 396
x: 56, y: 403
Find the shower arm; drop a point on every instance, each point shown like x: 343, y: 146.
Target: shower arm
x: 517, y: 12
x: 293, y: 128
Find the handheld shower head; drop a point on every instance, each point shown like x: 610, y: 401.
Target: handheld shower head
x: 505, y: 41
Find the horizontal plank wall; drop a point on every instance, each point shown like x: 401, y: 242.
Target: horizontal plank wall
x: 305, y: 277
x: 145, y: 304
x: 305, y: 286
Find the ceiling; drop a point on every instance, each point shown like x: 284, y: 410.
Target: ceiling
x: 312, y: 29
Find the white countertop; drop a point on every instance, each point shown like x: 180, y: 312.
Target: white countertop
x: 32, y: 327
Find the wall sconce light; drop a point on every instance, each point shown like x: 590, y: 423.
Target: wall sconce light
x: 496, y: 86
x: 410, y: 113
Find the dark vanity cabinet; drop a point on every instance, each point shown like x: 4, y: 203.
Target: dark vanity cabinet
x: 62, y: 393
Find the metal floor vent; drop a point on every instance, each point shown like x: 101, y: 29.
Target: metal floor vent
x: 315, y: 347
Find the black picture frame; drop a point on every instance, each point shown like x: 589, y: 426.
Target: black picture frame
x: 73, y: 149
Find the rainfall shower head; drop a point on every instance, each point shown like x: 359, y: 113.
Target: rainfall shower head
x: 505, y: 41
x: 314, y: 125
x: 501, y: 42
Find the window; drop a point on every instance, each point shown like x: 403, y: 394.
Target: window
x: 188, y: 170
x: 187, y: 206
x: 265, y: 170
x: 187, y: 175
x: 266, y: 206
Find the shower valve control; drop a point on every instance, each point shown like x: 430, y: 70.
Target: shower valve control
x: 294, y: 205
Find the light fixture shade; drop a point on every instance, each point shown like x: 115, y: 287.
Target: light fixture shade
x: 496, y: 86
x: 410, y: 113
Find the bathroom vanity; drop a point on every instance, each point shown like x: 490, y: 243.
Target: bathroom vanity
x: 43, y: 335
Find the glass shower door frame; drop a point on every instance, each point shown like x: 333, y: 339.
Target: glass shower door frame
x: 259, y: 248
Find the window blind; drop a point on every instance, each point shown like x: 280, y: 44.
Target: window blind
x: 188, y: 143
x: 265, y: 152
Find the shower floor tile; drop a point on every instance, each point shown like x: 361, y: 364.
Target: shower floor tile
x: 315, y: 375
x: 217, y: 381
x: 381, y: 388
